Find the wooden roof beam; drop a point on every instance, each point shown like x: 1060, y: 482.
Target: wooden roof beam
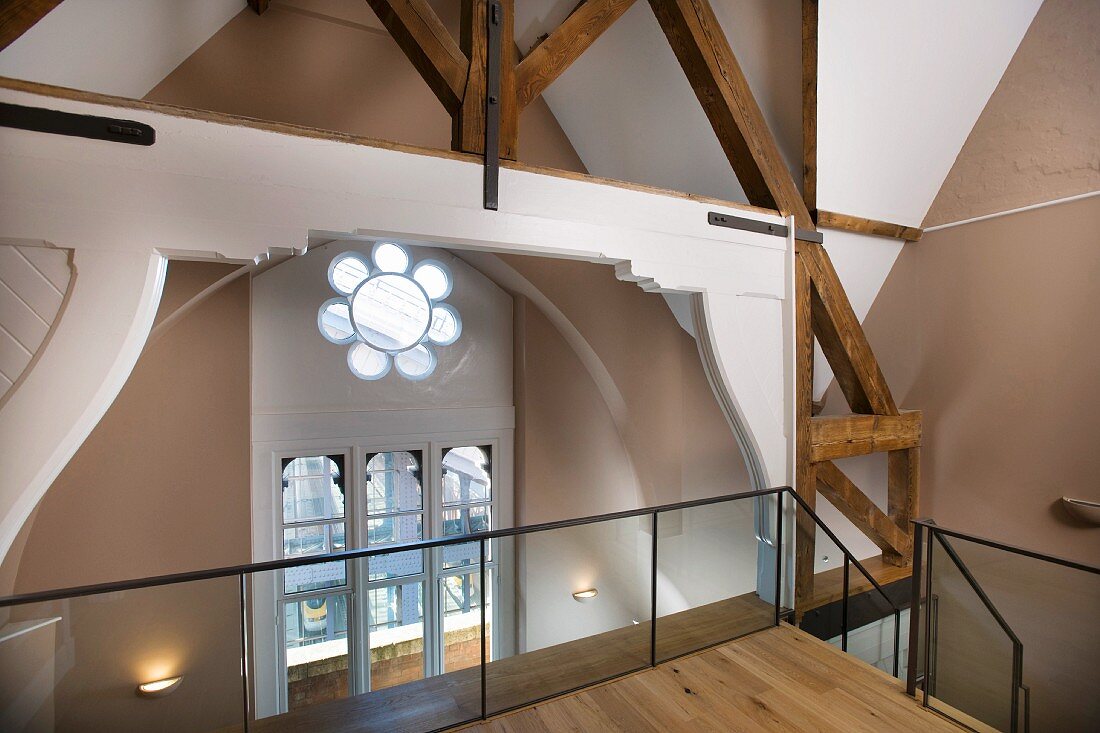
x: 428, y: 44
x: 19, y: 16
x: 862, y: 512
x: 710, y: 65
x: 547, y: 61
x: 845, y: 222
x: 843, y: 436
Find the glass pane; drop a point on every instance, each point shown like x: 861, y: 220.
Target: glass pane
x: 467, y: 520
x: 467, y: 476
x: 316, y: 636
x: 75, y: 664
x: 970, y: 667
x: 461, y: 597
x: 707, y: 578
x: 587, y: 602
x: 399, y: 528
x: 315, y: 540
x: 393, y: 482
x: 312, y: 489
x: 1049, y: 608
x: 396, y: 628
x: 467, y: 553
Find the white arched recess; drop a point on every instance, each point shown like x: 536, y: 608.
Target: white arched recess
x: 227, y: 190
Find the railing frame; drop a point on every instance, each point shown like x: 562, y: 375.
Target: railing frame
x: 482, y: 539
x: 940, y: 534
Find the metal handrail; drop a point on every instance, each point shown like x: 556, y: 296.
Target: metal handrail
x: 939, y: 534
x: 258, y: 567
x: 1016, y: 549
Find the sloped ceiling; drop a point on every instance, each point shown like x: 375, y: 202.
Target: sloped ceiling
x: 121, y: 47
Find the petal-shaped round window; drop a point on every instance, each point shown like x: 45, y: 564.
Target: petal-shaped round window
x: 390, y: 312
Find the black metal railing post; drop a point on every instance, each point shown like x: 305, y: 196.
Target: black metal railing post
x: 484, y: 640
x: 914, y: 611
x: 653, y: 598
x: 928, y: 620
x: 244, y: 652
x: 844, y: 609
x: 778, y: 555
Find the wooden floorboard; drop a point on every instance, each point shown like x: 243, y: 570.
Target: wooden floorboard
x: 511, y: 682
x: 778, y: 679
x: 829, y: 585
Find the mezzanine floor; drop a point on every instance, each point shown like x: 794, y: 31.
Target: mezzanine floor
x: 775, y: 679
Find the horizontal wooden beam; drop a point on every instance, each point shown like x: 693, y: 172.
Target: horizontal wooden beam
x: 705, y: 55
x: 862, y: 512
x: 561, y: 48
x: 428, y: 44
x: 843, y: 436
x: 845, y: 222
x: 19, y: 16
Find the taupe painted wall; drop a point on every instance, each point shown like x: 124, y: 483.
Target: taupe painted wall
x: 330, y: 64
x: 1038, y: 138
x: 161, y: 485
x: 989, y: 329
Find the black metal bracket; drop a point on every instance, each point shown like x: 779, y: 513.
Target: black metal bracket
x: 494, y: 17
x: 38, y: 119
x: 761, y: 227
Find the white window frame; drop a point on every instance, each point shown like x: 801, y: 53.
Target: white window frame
x: 268, y: 659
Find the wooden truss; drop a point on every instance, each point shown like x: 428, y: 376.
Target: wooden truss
x: 455, y: 71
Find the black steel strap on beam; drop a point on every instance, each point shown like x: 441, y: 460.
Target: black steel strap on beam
x: 761, y: 227
x: 494, y: 17
x: 52, y: 121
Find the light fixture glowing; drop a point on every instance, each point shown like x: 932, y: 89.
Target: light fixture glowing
x: 159, y: 688
x: 585, y: 595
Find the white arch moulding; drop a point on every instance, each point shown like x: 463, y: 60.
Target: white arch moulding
x: 219, y: 187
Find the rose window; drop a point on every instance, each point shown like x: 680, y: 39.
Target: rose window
x: 389, y: 311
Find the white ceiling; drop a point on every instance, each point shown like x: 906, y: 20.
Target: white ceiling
x: 122, y: 47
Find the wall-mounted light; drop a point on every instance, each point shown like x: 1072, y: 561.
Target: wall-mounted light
x: 159, y: 688
x: 585, y: 595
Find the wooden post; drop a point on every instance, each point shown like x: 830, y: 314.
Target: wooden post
x: 805, y: 469
x: 468, y: 123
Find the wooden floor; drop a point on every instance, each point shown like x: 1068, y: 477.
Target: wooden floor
x: 779, y: 679
x: 455, y: 697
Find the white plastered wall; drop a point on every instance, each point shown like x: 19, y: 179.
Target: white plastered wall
x: 210, y: 189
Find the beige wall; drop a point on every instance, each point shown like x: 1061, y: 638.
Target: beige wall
x: 161, y: 485
x: 330, y: 64
x: 987, y: 328
x: 1038, y: 138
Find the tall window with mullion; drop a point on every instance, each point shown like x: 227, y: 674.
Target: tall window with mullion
x: 314, y: 599
x: 395, y: 596
x: 466, y: 508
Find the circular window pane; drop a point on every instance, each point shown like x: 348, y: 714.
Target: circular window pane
x: 446, y: 326
x: 366, y: 363
x: 334, y: 320
x: 346, y: 271
x: 416, y: 363
x: 434, y: 278
x: 390, y: 257
x: 391, y: 312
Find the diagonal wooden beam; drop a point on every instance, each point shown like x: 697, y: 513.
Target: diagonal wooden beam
x: 844, y: 436
x: 18, y: 16
x: 842, y: 338
x: 710, y: 65
x: 862, y: 512
x: 426, y: 42
x: 553, y: 56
